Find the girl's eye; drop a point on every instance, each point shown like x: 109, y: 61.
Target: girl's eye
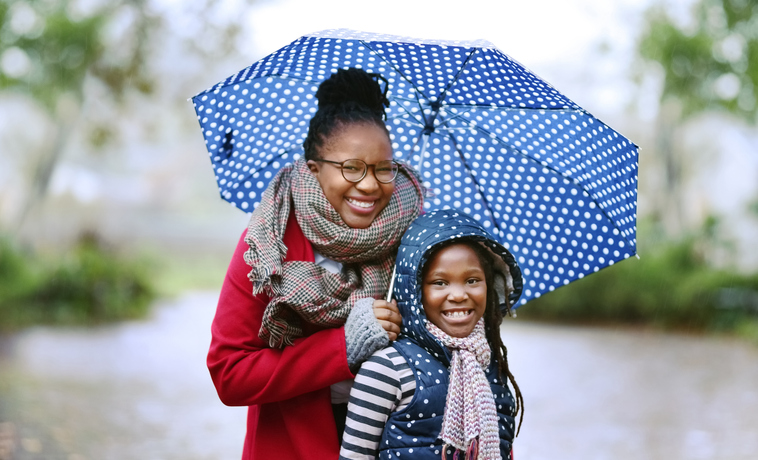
x: 473, y: 281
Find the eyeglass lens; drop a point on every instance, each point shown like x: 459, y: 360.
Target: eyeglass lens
x: 355, y: 170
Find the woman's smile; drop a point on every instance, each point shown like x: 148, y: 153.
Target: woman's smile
x: 365, y: 205
x: 358, y: 203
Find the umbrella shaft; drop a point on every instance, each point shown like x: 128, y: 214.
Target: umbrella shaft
x: 392, y: 284
x: 421, y: 155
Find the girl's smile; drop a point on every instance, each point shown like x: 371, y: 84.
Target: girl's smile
x: 457, y: 314
x: 454, y: 290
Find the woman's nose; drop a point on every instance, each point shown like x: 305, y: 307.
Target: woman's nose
x: 369, y: 183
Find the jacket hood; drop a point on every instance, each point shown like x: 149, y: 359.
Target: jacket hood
x: 427, y: 232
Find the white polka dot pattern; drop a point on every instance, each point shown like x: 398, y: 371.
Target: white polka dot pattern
x: 555, y: 184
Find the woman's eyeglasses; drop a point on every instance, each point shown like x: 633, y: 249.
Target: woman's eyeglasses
x: 355, y: 170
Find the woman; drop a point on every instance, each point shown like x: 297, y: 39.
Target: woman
x: 297, y: 313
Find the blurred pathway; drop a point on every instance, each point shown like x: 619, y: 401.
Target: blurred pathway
x: 618, y: 394
x: 141, y: 390
x: 138, y: 390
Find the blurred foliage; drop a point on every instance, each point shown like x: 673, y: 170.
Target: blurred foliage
x: 59, y: 52
x: 48, y: 47
x: 90, y: 285
x: 671, y: 286
x: 711, y: 63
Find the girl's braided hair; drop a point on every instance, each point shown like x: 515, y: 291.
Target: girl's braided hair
x: 348, y: 96
x: 493, y: 317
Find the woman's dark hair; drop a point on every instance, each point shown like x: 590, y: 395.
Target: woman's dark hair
x: 348, y: 96
x: 493, y: 316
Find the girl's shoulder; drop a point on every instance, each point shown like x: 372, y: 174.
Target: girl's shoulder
x: 387, y: 365
x: 385, y: 375
x: 387, y: 357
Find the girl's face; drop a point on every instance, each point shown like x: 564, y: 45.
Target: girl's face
x: 454, y: 290
x: 357, y: 203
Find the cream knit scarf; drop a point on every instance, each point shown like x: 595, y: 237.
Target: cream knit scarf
x: 470, y: 422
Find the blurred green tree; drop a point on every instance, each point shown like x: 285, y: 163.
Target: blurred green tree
x: 709, y: 62
x: 712, y: 63
x: 64, y: 55
x: 48, y: 48
x: 51, y: 49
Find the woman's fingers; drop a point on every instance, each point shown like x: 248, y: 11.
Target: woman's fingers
x: 391, y: 329
x: 387, y: 311
x: 388, y: 316
x: 389, y: 326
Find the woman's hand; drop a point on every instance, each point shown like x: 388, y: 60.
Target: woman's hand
x: 388, y: 316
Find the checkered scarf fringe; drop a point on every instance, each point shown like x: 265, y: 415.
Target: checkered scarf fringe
x: 304, y: 291
x: 470, y: 422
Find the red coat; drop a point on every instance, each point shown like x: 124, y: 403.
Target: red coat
x: 290, y: 414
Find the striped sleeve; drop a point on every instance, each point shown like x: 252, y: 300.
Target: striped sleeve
x: 384, y: 384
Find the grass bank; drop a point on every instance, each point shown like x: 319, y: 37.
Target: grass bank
x: 670, y: 287
x: 90, y: 284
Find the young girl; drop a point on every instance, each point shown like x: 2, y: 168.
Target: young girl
x: 440, y: 391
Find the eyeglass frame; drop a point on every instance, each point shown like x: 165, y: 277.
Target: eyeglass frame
x: 365, y: 170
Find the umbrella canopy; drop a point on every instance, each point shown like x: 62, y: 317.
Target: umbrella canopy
x: 557, y: 186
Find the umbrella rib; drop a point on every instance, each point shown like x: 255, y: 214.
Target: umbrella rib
x: 559, y: 173
x: 399, y: 72
x: 473, y: 179
x: 273, y: 75
x: 413, y: 149
x: 415, y: 144
x: 519, y: 109
x: 376, y: 53
x: 446, y: 120
x: 413, y: 122
x: 277, y: 156
x: 457, y: 75
x: 408, y: 112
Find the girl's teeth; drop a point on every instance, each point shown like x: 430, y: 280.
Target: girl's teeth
x: 456, y: 314
x: 361, y: 204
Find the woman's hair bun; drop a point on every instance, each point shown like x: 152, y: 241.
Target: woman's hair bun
x: 347, y: 96
x: 354, y: 86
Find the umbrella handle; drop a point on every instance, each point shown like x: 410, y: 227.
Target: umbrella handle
x: 392, y: 284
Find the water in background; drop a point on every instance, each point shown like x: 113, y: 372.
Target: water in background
x: 141, y: 390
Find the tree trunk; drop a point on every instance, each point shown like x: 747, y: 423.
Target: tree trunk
x: 43, y: 170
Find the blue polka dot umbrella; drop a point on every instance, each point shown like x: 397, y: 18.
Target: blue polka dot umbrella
x: 556, y: 185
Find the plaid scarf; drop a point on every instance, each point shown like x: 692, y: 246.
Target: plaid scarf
x: 470, y: 422
x: 303, y: 291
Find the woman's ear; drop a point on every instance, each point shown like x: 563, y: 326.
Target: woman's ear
x: 313, y: 166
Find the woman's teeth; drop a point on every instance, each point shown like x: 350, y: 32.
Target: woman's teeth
x: 361, y: 204
x: 456, y: 314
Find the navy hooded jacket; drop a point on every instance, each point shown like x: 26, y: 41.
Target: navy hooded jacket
x: 414, y: 430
